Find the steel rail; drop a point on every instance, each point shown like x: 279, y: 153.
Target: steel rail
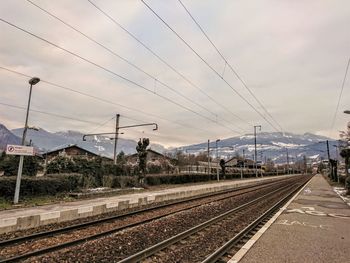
x: 214, y: 257
x: 104, y: 233
x: 166, y: 243
x: 120, y: 216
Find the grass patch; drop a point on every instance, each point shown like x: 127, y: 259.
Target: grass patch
x: 34, y: 201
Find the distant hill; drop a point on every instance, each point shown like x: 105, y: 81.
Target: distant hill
x: 7, y: 137
x: 99, y: 144
x: 272, y: 145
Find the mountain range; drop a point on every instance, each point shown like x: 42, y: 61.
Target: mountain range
x: 270, y: 145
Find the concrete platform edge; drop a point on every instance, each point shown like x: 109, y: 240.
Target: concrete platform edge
x: 250, y: 243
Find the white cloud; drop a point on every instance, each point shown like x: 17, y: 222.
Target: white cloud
x: 291, y: 54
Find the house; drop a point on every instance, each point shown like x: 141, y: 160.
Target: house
x: 240, y: 162
x: 152, y: 156
x: 71, y: 150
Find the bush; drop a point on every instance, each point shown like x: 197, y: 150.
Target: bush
x: 31, y: 186
x: 9, y: 164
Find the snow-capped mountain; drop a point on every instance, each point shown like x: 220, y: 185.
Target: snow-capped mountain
x: 270, y: 145
x: 100, y: 145
x: 7, y: 137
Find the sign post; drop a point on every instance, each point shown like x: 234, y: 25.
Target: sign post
x: 19, y: 150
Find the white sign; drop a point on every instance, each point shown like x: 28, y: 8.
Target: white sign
x: 19, y: 150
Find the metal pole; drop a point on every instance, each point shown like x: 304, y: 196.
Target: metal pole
x: 116, y: 138
x: 243, y: 161
x: 287, y: 161
x: 20, y: 165
x: 255, y: 151
x: 217, y: 159
x: 337, y: 159
x: 330, y: 167
x: 208, y: 158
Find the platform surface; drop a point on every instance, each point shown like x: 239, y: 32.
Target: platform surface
x: 315, y: 227
x: 23, y: 218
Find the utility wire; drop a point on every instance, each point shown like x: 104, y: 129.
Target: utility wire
x: 229, y: 65
x: 206, y: 63
x: 166, y: 63
x: 119, y: 56
x: 340, y: 95
x: 106, y: 101
x: 101, y: 125
x: 48, y: 113
x: 113, y: 73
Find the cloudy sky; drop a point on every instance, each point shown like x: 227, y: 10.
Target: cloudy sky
x: 98, y: 58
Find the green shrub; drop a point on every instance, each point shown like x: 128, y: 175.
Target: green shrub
x: 36, y: 186
x: 9, y: 164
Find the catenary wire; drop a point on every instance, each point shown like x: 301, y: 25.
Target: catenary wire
x: 206, y: 63
x: 114, y: 73
x: 107, y: 101
x: 166, y: 63
x: 48, y: 113
x: 229, y: 65
x: 119, y: 56
x: 101, y: 125
x: 340, y: 95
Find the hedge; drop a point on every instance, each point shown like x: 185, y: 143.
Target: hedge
x: 193, y: 178
x: 38, y: 186
x: 60, y: 183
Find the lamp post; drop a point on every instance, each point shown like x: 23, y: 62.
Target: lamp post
x: 32, y: 82
x: 217, y: 159
x: 255, y: 152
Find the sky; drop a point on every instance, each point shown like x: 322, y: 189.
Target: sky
x: 278, y: 64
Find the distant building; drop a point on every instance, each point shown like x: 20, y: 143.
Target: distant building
x: 71, y: 150
x: 240, y: 162
x: 152, y: 156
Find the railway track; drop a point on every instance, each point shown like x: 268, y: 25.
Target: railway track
x: 192, y: 244
x: 77, y: 231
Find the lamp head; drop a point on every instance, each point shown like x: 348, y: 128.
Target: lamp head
x: 34, y: 81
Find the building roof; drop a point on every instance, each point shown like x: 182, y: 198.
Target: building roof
x: 67, y: 146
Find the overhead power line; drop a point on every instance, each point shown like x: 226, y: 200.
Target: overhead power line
x: 340, y: 95
x: 108, y: 102
x: 101, y: 125
x: 229, y: 65
x: 166, y: 63
x: 120, y: 57
x: 48, y: 113
x: 208, y: 65
x: 113, y: 73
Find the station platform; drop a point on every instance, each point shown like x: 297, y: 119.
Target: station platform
x: 24, y: 218
x: 314, y: 227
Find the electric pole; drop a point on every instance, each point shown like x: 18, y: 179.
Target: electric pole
x: 208, y: 157
x: 255, y: 156
x: 116, y: 138
x: 287, y: 161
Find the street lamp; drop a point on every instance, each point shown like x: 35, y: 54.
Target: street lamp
x: 32, y: 82
x: 217, y: 159
x: 256, y: 160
